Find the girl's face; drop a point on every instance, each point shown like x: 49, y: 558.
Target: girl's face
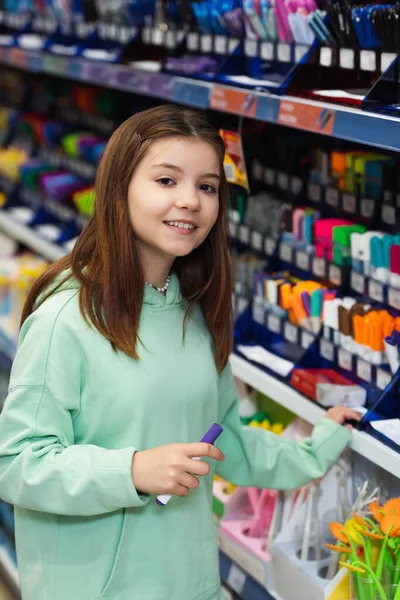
x: 173, y: 197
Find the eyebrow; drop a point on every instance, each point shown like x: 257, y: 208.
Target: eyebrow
x: 179, y: 170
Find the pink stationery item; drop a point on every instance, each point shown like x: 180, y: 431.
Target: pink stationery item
x: 323, y: 230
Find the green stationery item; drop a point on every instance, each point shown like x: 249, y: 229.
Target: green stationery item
x: 341, y: 243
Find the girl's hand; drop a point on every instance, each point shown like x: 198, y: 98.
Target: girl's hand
x: 341, y: 414
x: 171, y: 469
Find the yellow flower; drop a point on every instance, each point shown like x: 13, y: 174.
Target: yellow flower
x: 351, y: 567
x: 353, y: 529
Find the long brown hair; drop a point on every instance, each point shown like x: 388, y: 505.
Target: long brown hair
x: 105, y: 259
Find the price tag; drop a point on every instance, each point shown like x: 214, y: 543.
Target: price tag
x: 267, y: 51
x: 375, y: 290
x: 364, y: 370
x: 367, y: 207
x: 335, y: 275
x: 349, y: 203
x: 394, y: 297
x: 388, y: 214
x: 232, y: 230
x: 325, y: 57
x: 257, y: 170
x: 291, y: 333
x: 286, y: 253
x: 386, y: 60
x: 206, y: 43
x: 269, y: 246
x: 244, y: 234
x: 283, y: 181
x: 170, y: 40
x: 274, y: 323
x: 233, y: 43
x: 307, y: 339
x: 236, y: 579
x: 303, y: 260
x: 220, y: 44
x: 319, y: 267
x: 251, y: 48
x: 345, y: 359
x: 258, y: 313
x: 296, y: 185
x: 299, y: 52
x: 383, y: 378
x: 314, y: 192
x: 270, y: 176
x: 284, y: 52
x: 357, y: 282
x: 347, y: 58
x: 257, y: 241
x: 193, y: 41
x: 332, y: 197
x: 327, y: 350
x: 157, y: 37
x: 368, y: 60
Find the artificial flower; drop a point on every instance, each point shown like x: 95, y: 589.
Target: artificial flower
x: 390, y: 524
x: 351, y: 567
x: 377, y: 511
x: 337, y: 530
x: 392, y: 507
x: 360, y: 521
x: 341, y: 549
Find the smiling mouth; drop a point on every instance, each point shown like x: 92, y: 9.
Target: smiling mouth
x: 181, y: 225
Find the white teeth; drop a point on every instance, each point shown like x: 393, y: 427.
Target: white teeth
x: 180, y: 225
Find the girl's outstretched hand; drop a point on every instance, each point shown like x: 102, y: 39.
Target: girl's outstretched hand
x: 172, y: 469
x: 341, y: 414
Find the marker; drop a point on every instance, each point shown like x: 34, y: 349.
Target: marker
x: 209, y: 438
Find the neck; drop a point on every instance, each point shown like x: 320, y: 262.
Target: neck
x: 157, y: 272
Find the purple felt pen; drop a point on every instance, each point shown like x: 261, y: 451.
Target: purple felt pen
x: 209, y: 438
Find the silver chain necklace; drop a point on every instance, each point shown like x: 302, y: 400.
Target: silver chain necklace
x: 162, y: 289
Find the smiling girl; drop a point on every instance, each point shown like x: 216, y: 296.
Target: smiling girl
x: 122, y: 365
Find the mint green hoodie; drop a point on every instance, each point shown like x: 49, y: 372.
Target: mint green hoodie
x: 76, y: 413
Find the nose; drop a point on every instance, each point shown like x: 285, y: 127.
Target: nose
x: 189, y: 200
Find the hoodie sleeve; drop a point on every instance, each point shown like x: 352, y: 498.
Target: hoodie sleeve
x: 258, y: 458
x: 42, y: 467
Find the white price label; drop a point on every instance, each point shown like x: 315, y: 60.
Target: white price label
x: 383, y: 378
x: 157, y: 37
x: 357, y: 282
x: 347, y: 58
x: 303, y: 260
x: 299, y: 52
x: 236, y: 579
x: 251, y: 48
x: 314, y: 192
x: 220, y: 44
x: 267, y: 51
x: 394, y: 298
x: 296, y: 185
x: 375, y: 290
x: 257, y: 170
x: 332, y: 197
x: 193, y: 41
x: 274, y: 323
x: 335, y: 275
x: 270, y: 176
x: 233, y: 43
x: 269, y: 246
x: 349, y: 203
x: 206, y: 43
x: 146, y: 35
x: 307, y: 339
x: 258, y: 313
x: 232, y: 230
x: 367, y: 207
x: 388, y: 214
x: 345, y: 359
x: 386, y: 60
x: 364, y: 370
x: 325, y: 57
x: 327, y: 350
x: 170, y: 39
x: 368, y: 60
x: 291, y: 333
x: 283, y: 181
x: 244, y: 234
x: 286, y: 253
x: 257, y: 241
x: 284, y: 53
x: 319, y: 266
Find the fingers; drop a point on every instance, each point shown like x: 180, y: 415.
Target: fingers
x: 197, y: 467
x: 189, y: 481
x: 340, y: 414
x: 204, y: 450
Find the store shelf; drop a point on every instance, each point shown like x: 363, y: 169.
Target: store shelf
x: 239, y: 581
x: 9, y: 569
x: 345, y: 123
x: 29, y: 237
x: 362, y: 443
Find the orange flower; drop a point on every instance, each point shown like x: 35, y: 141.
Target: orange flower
x: 392, y: 507
x: 337, y: 530
x: 374, y: 536
x: 351, y: 567
x: 341, y: 549
x: 360, y: 521
x: 391, y: 523
x: 376, y: 510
